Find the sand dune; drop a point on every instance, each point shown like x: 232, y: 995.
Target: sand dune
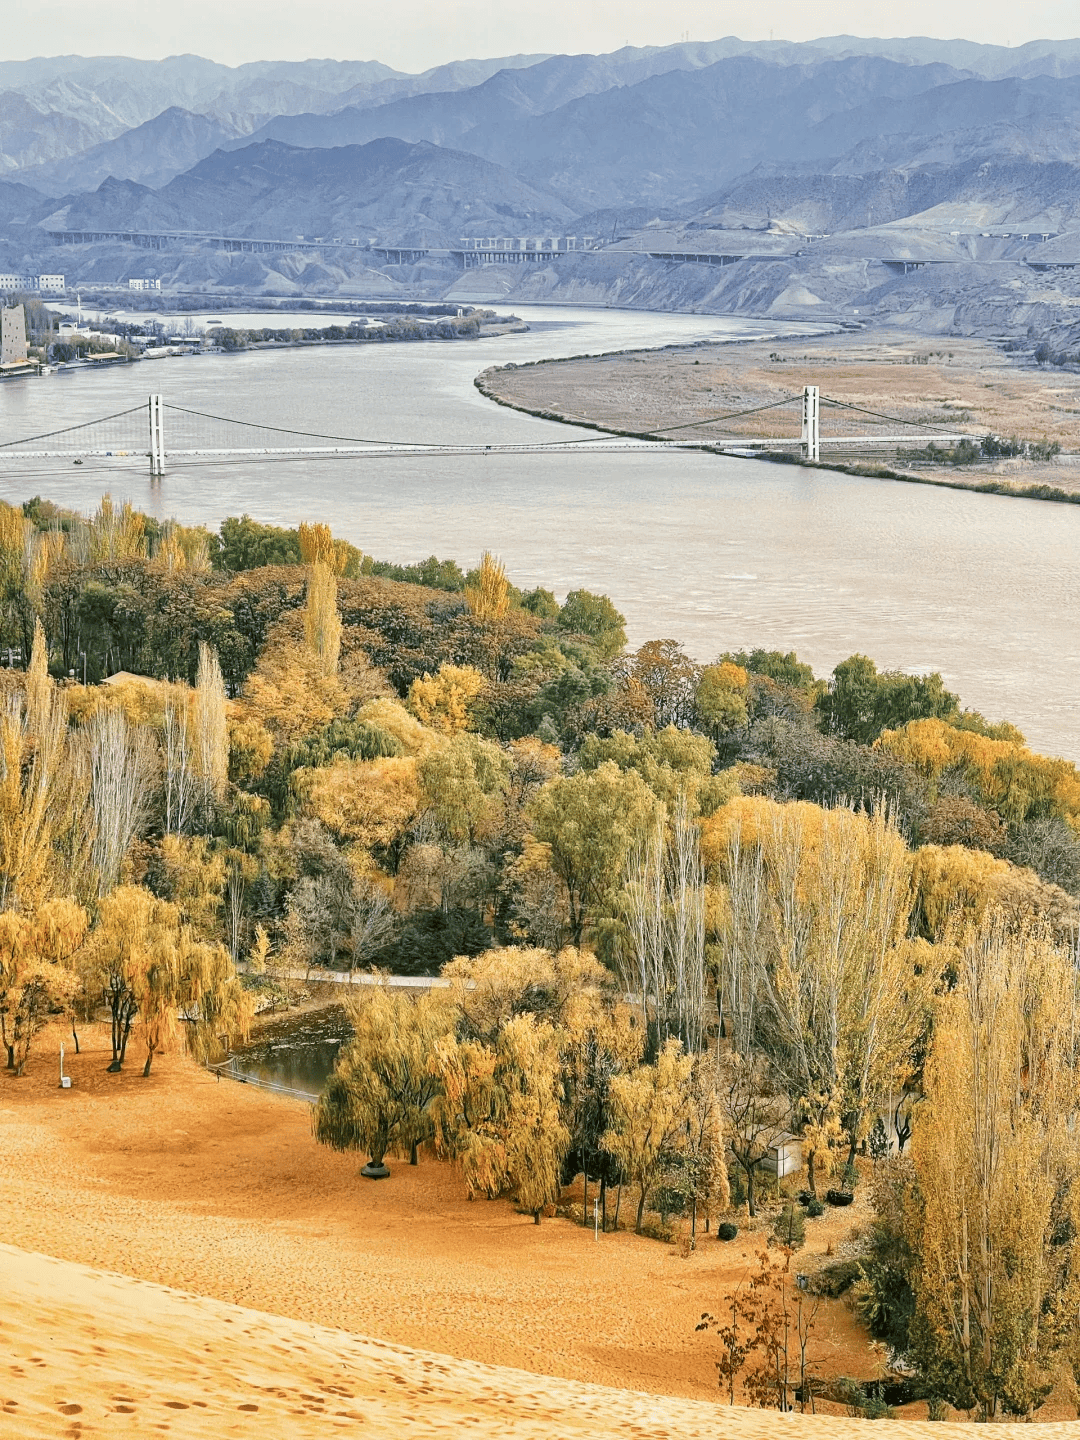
x: 90, y: 1353
x: 237, y: 1264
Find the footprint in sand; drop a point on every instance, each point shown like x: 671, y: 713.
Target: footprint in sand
x: 247, y: 1407
x: 176, y: 1405
x: 70, y: 1409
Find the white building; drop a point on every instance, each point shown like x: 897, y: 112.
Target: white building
x: 49, y: 284
x: 144, y: 284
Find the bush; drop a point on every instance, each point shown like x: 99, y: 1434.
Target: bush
x: 790, y: 1227
x: 835, y: 1280
x: 726, y: 1231
x: 839, y: 1197
x: 814, y: 1208
x: 656, y: 1229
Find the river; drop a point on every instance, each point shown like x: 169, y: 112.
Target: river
x: 716, y: 552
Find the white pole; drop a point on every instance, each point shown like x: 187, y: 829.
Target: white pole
x: 811, y: 423
x: 596, y: 1218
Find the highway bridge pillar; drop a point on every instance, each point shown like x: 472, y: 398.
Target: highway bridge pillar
x: 811, y: 425
x: 157, y: 437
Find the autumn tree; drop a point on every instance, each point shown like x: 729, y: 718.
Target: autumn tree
x: 461, y: 788
x: 211, y: 733
x: 589, y: 823
x: 816, y: 969
x: 489, y: 597
x: 40, y: 795
x: 445, y: 701
x: 997, y: 1263
x: 37, y: 971
x: 322, y: 623
x: 380, y: 1096
x: 663, y: 907
x: 499, y: 1114
x: 720, y: 701
x: 121, y: 763
x: 152, y: 970
x: 652, y: 1110
x: 670, y: 679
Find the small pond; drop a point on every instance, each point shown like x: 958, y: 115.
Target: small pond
x: 295, y: 1051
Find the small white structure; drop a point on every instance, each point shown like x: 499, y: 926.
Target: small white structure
x: 784, y: 1156
x: 65, y: 1080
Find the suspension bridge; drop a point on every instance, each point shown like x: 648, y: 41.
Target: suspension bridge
x: 164, y: 433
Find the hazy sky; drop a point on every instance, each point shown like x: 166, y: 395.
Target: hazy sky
x: 415, y: 34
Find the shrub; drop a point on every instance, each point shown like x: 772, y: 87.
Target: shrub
x: 726, y: 1231
x: 839, y: 1197
x: 832, y: 1281
x: 814, y: 1208
x: 936, y: 1408
x: 790, y: 1227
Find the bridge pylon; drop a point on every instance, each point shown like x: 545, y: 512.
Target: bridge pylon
x: 811, y: 423
x: 157, y: 437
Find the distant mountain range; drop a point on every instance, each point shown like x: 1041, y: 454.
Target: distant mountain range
x: 726, y: 146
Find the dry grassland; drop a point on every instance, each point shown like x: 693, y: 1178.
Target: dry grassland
x: 937, y: 384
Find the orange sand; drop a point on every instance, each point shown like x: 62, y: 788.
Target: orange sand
x: 217, y: 1189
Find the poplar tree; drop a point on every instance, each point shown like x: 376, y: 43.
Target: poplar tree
x: 489, y: 597
x: 322, y: 623
x: 993, y: 1223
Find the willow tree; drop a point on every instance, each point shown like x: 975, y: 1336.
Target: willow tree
x: 380, y: 1097
x: 154, y: 972
x: 38, y: 973
x: 499, y: 1115
x: 993, y: 1225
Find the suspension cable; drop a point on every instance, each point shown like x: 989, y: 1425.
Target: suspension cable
x: 892, y: 419
x: 728, y: 415
x: 432, y: 445
x: 84, y: 425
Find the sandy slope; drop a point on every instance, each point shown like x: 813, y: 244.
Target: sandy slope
x: 90, y: 1353
x: 202, y: 1196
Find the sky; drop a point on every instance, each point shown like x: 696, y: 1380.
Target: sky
x: 413, y: 35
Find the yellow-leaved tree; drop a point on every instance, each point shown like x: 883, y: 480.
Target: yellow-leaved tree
x: 993, y: 1221
x: 322, y: 623
x: 499, y: 1114
x: 651, y: 1119
x: 152, y: 970
x: 445, y: 701
x: 488, y: 598
x: 38, y: 971
x: 380, y: 1097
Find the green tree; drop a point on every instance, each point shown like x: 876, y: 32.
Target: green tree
x: 244, y: 544
x: 595, y: 617
x: 589, y: 823
x: 862, y: 701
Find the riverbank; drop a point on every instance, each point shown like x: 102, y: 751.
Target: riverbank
x: 886, y: 383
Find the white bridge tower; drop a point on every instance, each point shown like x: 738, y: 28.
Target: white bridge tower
x: 811, y: 423
x: 157, y: 437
